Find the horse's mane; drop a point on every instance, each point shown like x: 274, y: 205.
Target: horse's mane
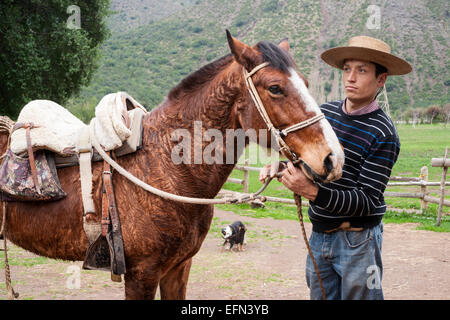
x: 199, y: 77
x: 277, y: 57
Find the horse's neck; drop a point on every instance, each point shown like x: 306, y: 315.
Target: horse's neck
x: 213, y: 102
x: 210, y: 109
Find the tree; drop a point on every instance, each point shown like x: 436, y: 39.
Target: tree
x: 446, y: 113
x: 41, y: 56
x: 413, y: 114
x: 432, y: 112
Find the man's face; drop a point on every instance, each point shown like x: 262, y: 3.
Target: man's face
x: 360, y: 82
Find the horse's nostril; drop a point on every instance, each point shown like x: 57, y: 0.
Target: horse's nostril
x: 328, y: 163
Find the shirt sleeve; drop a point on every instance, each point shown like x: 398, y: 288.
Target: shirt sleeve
x: 367, y: 196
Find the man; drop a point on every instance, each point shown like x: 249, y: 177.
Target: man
x: 346, y: 214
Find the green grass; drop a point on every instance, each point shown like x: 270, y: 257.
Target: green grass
x: 426, y: 220
x: 418, y: 146
x: 15, y: 258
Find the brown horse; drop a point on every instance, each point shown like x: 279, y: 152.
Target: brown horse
x: 161, y: 236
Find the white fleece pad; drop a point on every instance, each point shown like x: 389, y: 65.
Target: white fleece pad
x: 109, y: 123
x: 58, y: 128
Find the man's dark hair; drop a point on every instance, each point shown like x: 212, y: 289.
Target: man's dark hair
x: 379, y: 69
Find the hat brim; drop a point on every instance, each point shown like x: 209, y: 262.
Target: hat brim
x: 335, y: 57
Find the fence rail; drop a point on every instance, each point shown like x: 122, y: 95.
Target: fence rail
x: 421, y: 181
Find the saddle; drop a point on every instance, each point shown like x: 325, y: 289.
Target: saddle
x: 48, y: 137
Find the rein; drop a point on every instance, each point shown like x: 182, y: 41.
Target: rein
x: 298, y: 202
x: 164, y: 194
x: 9, y: 288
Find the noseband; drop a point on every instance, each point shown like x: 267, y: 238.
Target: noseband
x: 279, y: 134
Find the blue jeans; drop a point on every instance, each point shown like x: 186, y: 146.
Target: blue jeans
x: 349, y: 264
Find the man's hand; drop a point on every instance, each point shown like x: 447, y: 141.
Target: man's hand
x: 270, y: 170
x: 295, y: 180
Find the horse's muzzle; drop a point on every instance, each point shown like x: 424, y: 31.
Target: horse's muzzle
x: 311, y: 173
x: 328, y: 167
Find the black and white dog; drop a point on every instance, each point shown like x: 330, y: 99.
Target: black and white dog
x: 234, y: 234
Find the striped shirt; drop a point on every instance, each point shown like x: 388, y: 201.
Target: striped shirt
x: 371, y: 147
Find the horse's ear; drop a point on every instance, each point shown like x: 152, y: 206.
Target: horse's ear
x: 242, y: 53
x: 284, y: 44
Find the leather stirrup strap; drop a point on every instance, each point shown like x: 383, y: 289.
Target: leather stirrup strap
x: 110, y: 200
x: 28, y: 126
x: 31, y: 159
x: 113, y: 235
x: 105, y: 204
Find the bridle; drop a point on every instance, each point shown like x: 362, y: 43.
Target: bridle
x: 279, y: 134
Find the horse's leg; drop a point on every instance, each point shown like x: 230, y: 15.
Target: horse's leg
x: 141, y: 280
x: 173, y: 284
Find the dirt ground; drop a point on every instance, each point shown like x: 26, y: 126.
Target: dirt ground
x: 416, y: 266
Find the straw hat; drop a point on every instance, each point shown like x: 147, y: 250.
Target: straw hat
x: 367, y: 49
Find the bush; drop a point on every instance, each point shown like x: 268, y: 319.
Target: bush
x: 327, y: 88
x: 200, y: 43
x: 270, y: 6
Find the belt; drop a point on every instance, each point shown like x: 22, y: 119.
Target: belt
x: 344, y: 226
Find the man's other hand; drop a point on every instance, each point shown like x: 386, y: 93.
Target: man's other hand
x: 270, y: 170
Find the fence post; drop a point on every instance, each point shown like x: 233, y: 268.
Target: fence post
x: 245, y: 176
x: 441, y: 201
x: 424, y: 177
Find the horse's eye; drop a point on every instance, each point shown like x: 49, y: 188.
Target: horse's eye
x: 275, y: 90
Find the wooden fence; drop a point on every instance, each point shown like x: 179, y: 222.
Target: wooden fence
x: 421, y: 181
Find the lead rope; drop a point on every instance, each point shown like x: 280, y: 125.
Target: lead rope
x: 167, y: 195
x: 298, y: 202
x: 11, y: 293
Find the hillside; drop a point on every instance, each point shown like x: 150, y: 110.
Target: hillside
x: 133, y: 13
x: 154, y: 55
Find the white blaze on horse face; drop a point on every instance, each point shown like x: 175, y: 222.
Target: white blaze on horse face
x: 327, y: 130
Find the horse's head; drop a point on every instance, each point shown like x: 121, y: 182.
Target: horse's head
x: 278, y: 99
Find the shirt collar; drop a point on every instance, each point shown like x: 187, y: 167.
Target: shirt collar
x: 364, y: 110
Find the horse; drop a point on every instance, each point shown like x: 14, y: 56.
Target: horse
x: 161, y: 236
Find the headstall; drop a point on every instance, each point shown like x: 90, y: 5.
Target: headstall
x: 279, y: 134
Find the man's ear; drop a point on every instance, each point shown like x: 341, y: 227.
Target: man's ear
x: 243, y: 54
x: 284, y: 44
x: 381, y: 80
